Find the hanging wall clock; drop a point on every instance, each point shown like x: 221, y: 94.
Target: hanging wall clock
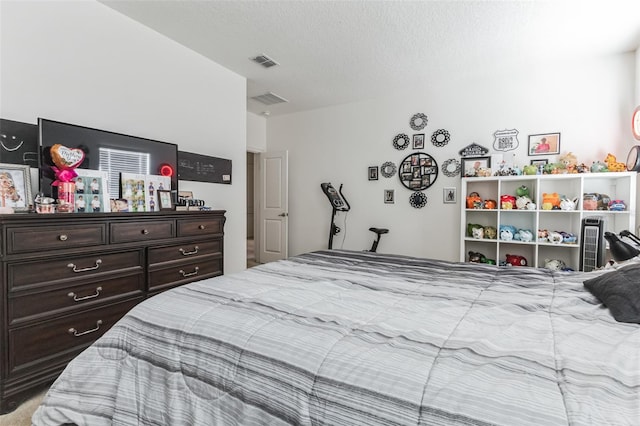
x: 401, y: 141
x: 418, y: 121
x: 418, y: 200
x: 418, y: 171
x: 440, y: 137
x: 633, y: 159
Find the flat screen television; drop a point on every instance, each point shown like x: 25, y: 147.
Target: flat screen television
x: 151, y: 153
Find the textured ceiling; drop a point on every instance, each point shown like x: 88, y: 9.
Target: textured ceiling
x: 334, y: 52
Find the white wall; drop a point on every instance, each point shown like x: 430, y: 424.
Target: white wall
x: 84, y: 63
x: 256, y: 133
x: 589, y: 103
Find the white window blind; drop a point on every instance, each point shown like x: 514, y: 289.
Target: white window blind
x: 116, y: 161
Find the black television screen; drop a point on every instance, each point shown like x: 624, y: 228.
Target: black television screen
x: 92, y: 141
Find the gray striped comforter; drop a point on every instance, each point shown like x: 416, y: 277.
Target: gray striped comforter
x: 348, y: 338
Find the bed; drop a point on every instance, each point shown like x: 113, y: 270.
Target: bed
x: 356, y: 338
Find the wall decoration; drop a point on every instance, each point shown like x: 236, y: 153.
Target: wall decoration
x: 440, y: 137
x: 505, y: 140
x: 141, y: 191
x: 544, y: 144
x: 401, y: 141
x: 92, y: 191
x: 451, y: 167
x: 418, y: 200
x: 418, y: 171
x: 389, y: 196
x: 449, y: 195
x: 164, y: 200
x: 388, y: 169
x: 635, y: 123
x: 418, y: 121
x: 476, y: 167
x: 15, y: 187
x: 18, y: 143
x: 203, y: 168
x: 473, y: 150
x: 418, y: 141
x: 373, y: 173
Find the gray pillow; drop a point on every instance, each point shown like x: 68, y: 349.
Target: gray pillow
x: 619, y: 290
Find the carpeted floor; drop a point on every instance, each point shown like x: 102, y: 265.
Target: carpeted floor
x: 22, y: 415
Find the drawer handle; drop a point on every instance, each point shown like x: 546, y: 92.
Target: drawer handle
x: 90, y: 268
x: 80, y: 299
x: 63, y: 237
x: 145, y: 231
x: 76, y: 334
x: 189, y: 274
x: 189, y: 253
x: 201, y: 226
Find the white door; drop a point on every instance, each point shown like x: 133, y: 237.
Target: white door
x: 274, y: 206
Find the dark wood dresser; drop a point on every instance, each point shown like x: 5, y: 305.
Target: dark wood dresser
x: 67, y: 278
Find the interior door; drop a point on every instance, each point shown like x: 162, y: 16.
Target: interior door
x: 274, y: 206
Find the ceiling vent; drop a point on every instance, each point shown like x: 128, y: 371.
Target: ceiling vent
x: 265, y: 61
x: 269, y: 99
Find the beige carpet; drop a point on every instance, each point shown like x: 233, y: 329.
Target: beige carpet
x: 22, y: 415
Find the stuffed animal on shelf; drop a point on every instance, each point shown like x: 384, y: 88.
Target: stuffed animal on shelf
x: 599, y: 167
x: 507, y: 232
x: 474, y: 201
x: 490, y: 232
x: 471, y: 227
x: 507, y: 202
x: 617, y: 206
x: 477, y: 233
x: 524, y: 235
x: 522, y: 203
x: 555, y: 237
x: 570, y: 162
x: 568, y: 204
x: 613, y: 165
x: 476, y: 257
x: 550, y: 201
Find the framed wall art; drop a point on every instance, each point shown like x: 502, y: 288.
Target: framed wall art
x: 540, y: 162
x: 92, y: 191
x: 140, y: 191
x: 472, y: 167
x: 389, y: 196
x: 373, y: 173
x: 449, y: 195
x: 544, y: 144
x: 418, y: 141
x: 15, y: 187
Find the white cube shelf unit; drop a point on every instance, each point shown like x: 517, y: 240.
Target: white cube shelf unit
x: 616, y: 185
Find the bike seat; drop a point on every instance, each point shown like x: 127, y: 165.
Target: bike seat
x: 379, y: 230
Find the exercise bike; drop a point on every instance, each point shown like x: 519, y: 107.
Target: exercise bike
x: 339, y: 203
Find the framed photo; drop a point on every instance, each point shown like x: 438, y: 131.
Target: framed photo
x: 449, y: 195
x: 540, y: 162
x: 140, y: 191
x: 418, y: 141
x: 544, y: 144
x: 389, y: 196
x: 471, y: 166
x: 373, y: 173
x: 92, y: 191
x: 164, y: 200
x: 15, y: 186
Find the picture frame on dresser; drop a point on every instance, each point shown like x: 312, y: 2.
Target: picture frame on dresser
x: 164, y: 200
x: 94, y: 190
x: 15, y: 187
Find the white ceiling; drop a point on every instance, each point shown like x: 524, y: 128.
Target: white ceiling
x: 334, y: 52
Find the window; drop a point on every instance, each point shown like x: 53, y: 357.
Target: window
x: 115, y: 161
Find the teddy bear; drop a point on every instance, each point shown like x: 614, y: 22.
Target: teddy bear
x: 570, y: 162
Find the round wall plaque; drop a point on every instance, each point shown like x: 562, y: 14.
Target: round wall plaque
x: 418, y: 171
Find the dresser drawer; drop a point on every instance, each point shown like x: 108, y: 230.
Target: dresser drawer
x: 141, y: 231
x: 75, y: 267
x: 37, y: 239
x: 200, y: 226
x: 184, y: 251
x: 63, y: 337
x: 65, y: 299
x: 204, y: 267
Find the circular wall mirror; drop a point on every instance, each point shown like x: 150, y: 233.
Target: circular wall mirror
x: 440, y: 137
x: 388, y: 169
x: 418, y: 121
x: 451, y: 167
x: 418, y: 171
x: 418, y: 200
x: 401, y: 141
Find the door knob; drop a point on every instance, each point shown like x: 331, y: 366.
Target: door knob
x: 283, y: 214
